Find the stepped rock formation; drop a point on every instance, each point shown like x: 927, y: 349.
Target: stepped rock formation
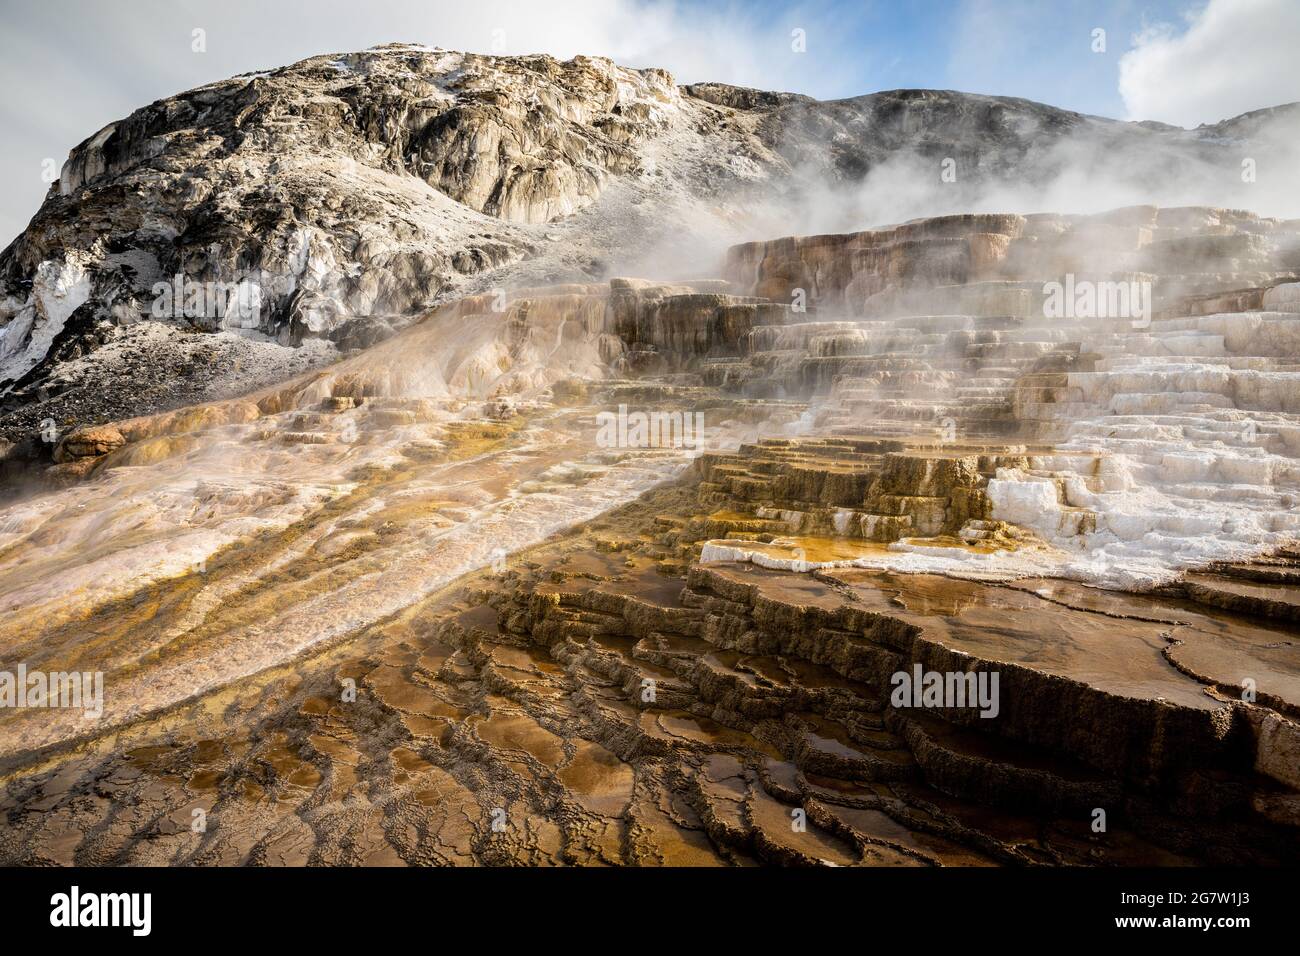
x: 609, y: 570
x: 337, y: 198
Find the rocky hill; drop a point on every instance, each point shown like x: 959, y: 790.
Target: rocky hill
x: 318, y: 207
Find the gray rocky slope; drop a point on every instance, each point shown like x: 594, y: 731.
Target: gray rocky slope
x: 336, y: 199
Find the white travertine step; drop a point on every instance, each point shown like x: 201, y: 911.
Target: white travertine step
x: 1178, y: 438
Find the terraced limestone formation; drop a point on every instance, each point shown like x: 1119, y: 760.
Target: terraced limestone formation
x: 339, y: 198
x: 416, y: 608
x: 1125, y: 384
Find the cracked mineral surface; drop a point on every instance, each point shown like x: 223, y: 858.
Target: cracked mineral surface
x: 966, y: 541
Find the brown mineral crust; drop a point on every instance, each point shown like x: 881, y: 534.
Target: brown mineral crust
x: 88, y: 443
x: 526, y: 693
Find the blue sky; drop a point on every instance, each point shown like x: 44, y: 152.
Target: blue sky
x: 1037, y: 50
x: 69, y: 67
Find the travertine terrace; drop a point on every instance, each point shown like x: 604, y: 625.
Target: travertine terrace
x: 410, y: 608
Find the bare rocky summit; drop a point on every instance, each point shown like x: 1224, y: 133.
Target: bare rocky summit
x: 335, y: 199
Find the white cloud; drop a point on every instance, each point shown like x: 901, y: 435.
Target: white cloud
x: 1231, y: 57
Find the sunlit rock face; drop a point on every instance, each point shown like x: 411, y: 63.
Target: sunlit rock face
x: 336, y: 198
